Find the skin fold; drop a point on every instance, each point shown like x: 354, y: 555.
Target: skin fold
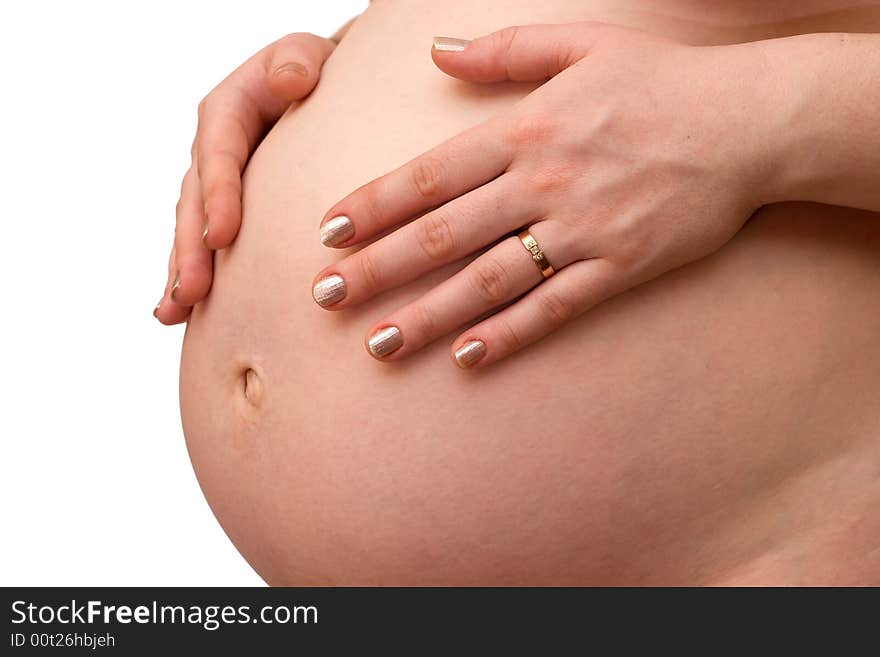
x: 715, y: 424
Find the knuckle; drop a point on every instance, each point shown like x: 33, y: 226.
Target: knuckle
x: 218, y: 163
x: 491, y: 281
x: 187, y: 181
x: 633, y: 249
x: 531, y: 129
x: 371, y: 273
x: 507, y: 40
x: 220, y: 186
x: 630, y: 256
x: 555, y: 307
x: 428, y: 175
x: 423, y: 321
x: 508, y: 336
x: 501, y: 42
x: 550, y: 180
x: 202, y: 108
x: 434, y: 235
x: 369, y: 204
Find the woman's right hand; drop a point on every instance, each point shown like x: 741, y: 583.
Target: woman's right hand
x: 233, y: 119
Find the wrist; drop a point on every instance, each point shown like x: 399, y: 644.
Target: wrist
x: 768, y: 119
x: 816, y: 100
x: 786, y: 101
x: 750, y: 114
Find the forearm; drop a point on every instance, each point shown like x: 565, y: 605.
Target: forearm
x: 826, y: 117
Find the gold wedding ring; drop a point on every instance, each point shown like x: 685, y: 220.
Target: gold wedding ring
x: 537, y: 254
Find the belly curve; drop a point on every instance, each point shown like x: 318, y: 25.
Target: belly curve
x: 647, y: 441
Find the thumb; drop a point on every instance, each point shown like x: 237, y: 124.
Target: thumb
x: 521, y: 54
x: 293, y: 64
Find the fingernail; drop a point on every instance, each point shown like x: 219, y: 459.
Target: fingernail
x: 450, y: 44
x: 336, y: 231
x: 385, y: 341
x: 205, y: 234
x: 175, y: 285
x: 470, y: 353
x: 158, y: 305
x: 292, y: 67
x: 329, y: 290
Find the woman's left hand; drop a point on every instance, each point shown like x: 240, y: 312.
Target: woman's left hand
x: 638, y: 156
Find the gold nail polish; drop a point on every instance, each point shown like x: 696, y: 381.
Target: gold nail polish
x: 205, y: 233
x: 384, y: 341
x: 175, y: 285
x: 470, y: 353
x: 336, y: 231
x: 450, y: 44
x: 329, y: 290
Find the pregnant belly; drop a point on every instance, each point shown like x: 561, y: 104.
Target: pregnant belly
x: 719, y: 424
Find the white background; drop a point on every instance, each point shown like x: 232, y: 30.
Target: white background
x: 98, y: 111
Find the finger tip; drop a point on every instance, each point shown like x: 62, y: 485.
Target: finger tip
x: 220, y: 231
x: 170, y: 318
x: 385, y: 342
x: 213, y: 242
x: 218, y: 242
x: 190, y: 296
x: 291, y: 70
x: 444, y: 61
x: 470, y: 354
x: 447, y: 52
x: 195, y: 283
x: 290, y: 81
x: 337, y: 231
x: 206, y: 231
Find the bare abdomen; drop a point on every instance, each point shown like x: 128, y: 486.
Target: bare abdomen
x: 692, y: 430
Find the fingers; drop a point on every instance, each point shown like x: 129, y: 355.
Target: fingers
x: 167, y: 311
x: 294, y: 65
x: 457, y: 166
x: 524, y: 54
x: 192, y: 264
x: 498, y: 276
x: 223, y: 149
x: 548, y: 306
x: 232, y: 121
x: 448, y: 234
x: 234, y: 117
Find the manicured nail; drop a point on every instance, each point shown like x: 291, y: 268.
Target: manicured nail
x: 292, y: 67
x: 385, y: 341
x: 450, y: 44
x: 156, y: 309
x: 175, y: 285
x: 336, y: 231
x: 329, y: 290
x: 205, y: 234
x: 470, y: 353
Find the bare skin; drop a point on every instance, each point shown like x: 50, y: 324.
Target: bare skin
x: 233, y: 118
x: 715, y: 425
x: 619, y: 182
